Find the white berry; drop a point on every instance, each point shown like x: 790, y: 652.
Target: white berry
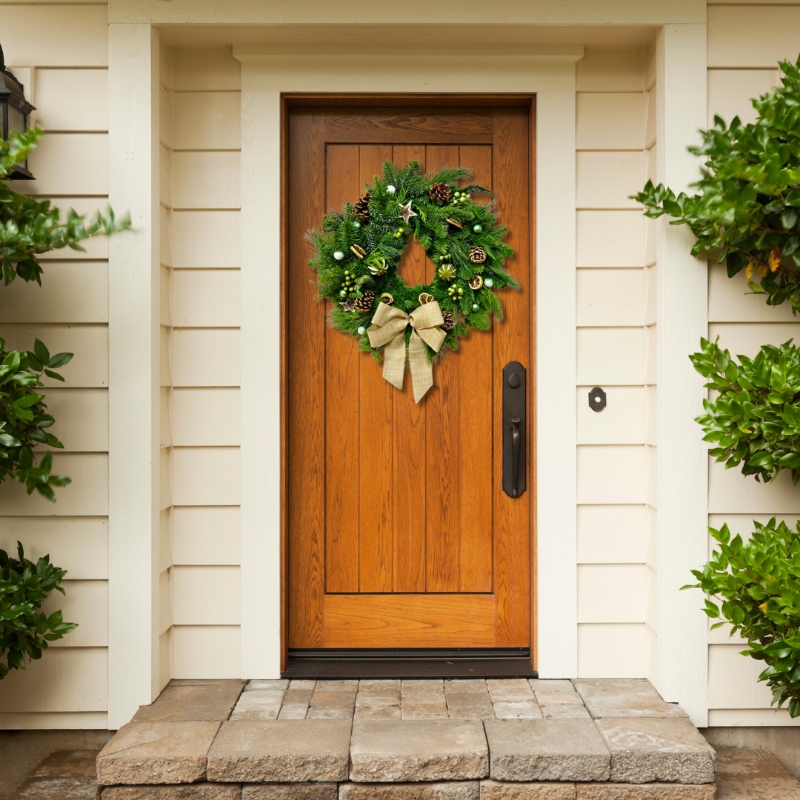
x: 361, y: 330
x: 338, y: 255
x: 488, y: 282
x: 474, y: 306
x: 391, y: 189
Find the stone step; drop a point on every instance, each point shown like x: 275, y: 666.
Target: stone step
x: 508, y: 739
x: 744, y: 774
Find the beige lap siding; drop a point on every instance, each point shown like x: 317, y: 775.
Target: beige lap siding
x: 612, y: 352
x: 206, y: 368
x: 60, y: 53
x: 744, y: 44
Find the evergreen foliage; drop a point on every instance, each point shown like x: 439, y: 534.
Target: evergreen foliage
x: 757, y: 586
x: 747, y: 210
x: 25, y: 630
x: 385, y: 236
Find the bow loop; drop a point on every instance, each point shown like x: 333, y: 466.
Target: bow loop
x: 388, y: 330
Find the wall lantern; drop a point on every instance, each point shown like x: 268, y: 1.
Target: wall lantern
x: 14, y: 110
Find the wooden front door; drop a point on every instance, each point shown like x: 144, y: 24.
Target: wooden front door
x: 399, y: 533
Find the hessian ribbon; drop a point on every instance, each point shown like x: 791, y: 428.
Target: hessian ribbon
x: 389, y: 328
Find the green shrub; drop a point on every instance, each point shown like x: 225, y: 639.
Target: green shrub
x: 24, y: 420
x: 755, y: 588
x: 747, y: 211
x: 24, y: 629
x: 755, y: 419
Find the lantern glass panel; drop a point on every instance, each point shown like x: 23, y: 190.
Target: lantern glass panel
x: 16, y: 120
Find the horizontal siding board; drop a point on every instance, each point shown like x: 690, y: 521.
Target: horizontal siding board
x: 206, y: 239
x: 81, y: 418
x: 610, y: 297
x: 611, y: 593
x: 730, y: 92
x: 206, y: 298
x: 206, y: 180
x: 69, y: 164
x: 613, y: 356
x: 71, y: 291
x: 620, y: 422
x: 747, y: 338
x: 611, y: 651
x: 206, y: 595
x: 730, y: 492
x: 65, y: 35
x: 210, y: 69
x: 750, y: 717
x: 607, y: 179
x: 85, y: 603
x: 206, y: 357
x: 752, y: 36
x: 209, y: 652
x: 610, y: 239
x: 64, y: 679
x: 611, y: 534
x: 607, y: 70
x: 610, y: 121
x: 206, y: 476
x: 72, y: 99
x: 207, y: 535
x: 77, y: 544
x: 87, y: 495
x: 207, y: 121
x: 611, y: 475
x: 206, y: 417
x: 730, y: 300
x: 733, y: 679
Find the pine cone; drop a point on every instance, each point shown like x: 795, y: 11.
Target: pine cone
x: 477, y: 255
x: 440, y: 192
x: 448, y: 320
x: 365, y: 302
x: 361, y: 209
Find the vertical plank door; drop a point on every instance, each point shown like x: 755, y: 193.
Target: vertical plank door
x: 399, y: 534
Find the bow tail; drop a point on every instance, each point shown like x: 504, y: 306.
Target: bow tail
x: 421, y: 368
x: 394, y: 360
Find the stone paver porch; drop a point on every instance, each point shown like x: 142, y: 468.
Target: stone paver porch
x: 506, y: 739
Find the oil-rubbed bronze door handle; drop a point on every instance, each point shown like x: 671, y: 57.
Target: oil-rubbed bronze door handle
x: 514, y: 429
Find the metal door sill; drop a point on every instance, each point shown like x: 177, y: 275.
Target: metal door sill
x: 410, y: 663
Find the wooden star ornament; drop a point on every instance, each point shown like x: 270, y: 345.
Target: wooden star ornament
x: 406, y: 213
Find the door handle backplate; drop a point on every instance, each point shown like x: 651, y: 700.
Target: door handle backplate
x: 514, y: 429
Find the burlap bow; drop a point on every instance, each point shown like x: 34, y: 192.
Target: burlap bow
x: 389, y: 328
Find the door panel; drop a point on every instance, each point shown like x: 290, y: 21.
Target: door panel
x: 399, y: 534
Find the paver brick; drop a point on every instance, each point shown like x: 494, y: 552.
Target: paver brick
x: 424, y: 711
x: 192, y: 791
x: 280, y: 751
x: 524, y: 709
x: 385, y: 751
x: 302, y: 684
x: 330, y: 712
x: 452, y: 790
x: 290, y: 791
x: 546, y: 750
x: 277, y: 685
x: 657, y: 749
x: 548, y: 685
x: 190, y: 703
x: 624, y: 698
x: 367, y: 710
x: 469, y: 705
x: 558, y: 699
x: 378, y: 686
x: 333, y: 698
x: 337, y: 686
x: 258, y: 705
x: 510, y: 689
x: 540, y: 790
x: 744, y: 774
x: 293, y: 711
x: 647, y: 791
x: 465, y: 685
x: 157, y: 752
x: 565, y: 712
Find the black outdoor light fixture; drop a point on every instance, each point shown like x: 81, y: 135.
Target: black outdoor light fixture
x: 14, y: 110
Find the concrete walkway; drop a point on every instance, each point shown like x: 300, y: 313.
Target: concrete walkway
x: 509, y: 739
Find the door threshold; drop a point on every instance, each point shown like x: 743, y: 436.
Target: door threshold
x: 410, y: 663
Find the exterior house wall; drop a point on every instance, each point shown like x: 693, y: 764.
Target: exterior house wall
x: 614, y: 266
x: 63, y: 67
x: 199, y: 592
x: 744, y: 43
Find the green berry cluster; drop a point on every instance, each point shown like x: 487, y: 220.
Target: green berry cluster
x: 348, y: 289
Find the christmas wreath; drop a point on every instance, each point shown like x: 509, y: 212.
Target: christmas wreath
x: 358, y: 250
